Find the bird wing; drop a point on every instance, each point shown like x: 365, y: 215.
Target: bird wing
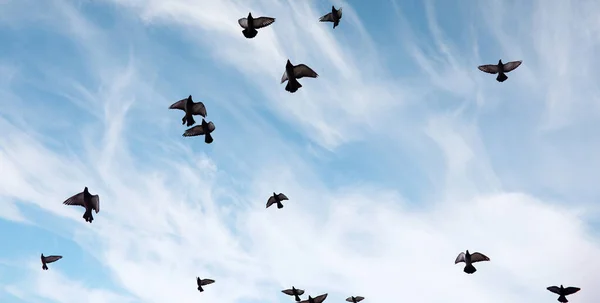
x: 199, y: 109
x: 284, y: 77
x: 510, y: 66
x: 75, y: 200
x: 358, y: 298
x: 194, y: 131
x: 321, y: 298
x: 301, y: 70
x: 286, y: 291
x: 299, y: 291
x: 460, y: 258
x: 50, y: 259
x: 206, y: 281
x: 282, y: 197
x: 349, y: 299
x: 478, y: 257
x: 179, y: 104
x: 262, y: 22
x: 243, y: 22
x: 327, y: 18
x: 488, y: 68
x: 270, y: 201
x: 554, y: 289
x: 96, y: 203
x: 570, y: 290
x: 339, y: 13
x: 211, y: 127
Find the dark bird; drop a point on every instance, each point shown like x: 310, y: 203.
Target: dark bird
x: 204, y: 129
x: 469, y: 259
x: 49, y: 259
x: 293, y: 73
x: 317, y: 299
x: 355, y: 299
x: 275, y: 198
x: 87, y: 200
x: 190, y: 108
x: 203, y: 282
x: 294, y: 291
x: 563, y: 292
x: 251, y: 24
x: 500, y: 69
x: 334, y: 16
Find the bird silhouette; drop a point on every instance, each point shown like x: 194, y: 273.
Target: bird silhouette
x: 317, y: 299
x: 190, y: 108
x: 293, y: 73
x: 203, y: 282
x: 563, y: 292
x: 277, y: 198
x: 355, y: 299
x: 203, y: 129
x: 334, y: 16
x: 469, y: 259
x: 501, y: 69
x: 87, y: 200
x: 49, y: 259
x: 294, y: 291
x: 251, y: 24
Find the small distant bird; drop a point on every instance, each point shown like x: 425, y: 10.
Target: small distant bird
x: 190, y: 108
x: 334, y: 16
x: 317, y: 299
x: 294, y: 291
x: 87, y: 200
x: 469, y: 259
x: 355, y: 299
x: 500, y: 69
x: 49, y: 259
x: 563, y: 292
x: 293, y: 73
x: 203, y: 282
x: 251, y: 24
x: 204, y: 129
x: 277, y: 198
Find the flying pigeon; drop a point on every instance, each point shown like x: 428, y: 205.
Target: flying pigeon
x: 251, y: 24
x: 204, y: 129
x: 355, y: 299
x: 294, y: 291
x: 276, y: 198
x: 293, y: 73
x: 86, y: 200
x: 563, y: 292
x: 334, y: 16
x: 317, y: 299
x: 469, y: 259
x: 190, y: 108
x: 49, y: 259
x: 202, y: 282
x: 500, y: 69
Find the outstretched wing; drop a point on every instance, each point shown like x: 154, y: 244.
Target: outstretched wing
x: 478, y: 257
x: 327, y: 18
x: 357, y: 298
x: 199, y: 109
x: 211, y: 127
x: 302, y: 70
x: 50, y: 259
x: 269, y: 203
x: 554, y: 289
x: 284, y: 77
x: 262, y: 22
x: 489, y: 68
x: 511, y: 65
x: 349, y: 299
x: 75, y: 200
x: 321, y: 298
x: 339, y: 13
x: 194, y: 131
x: 299, y: 291
x: 282, y: 197
x: 206, y: 281
x: 179, y: 104
x: 243, y: 22
x: 96, y: 203
x: 460, y: 258
x: 288, y: 292
x: 570, y: 290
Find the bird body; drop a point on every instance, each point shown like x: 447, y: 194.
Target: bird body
x: 355, y: 299
x: 334, y: 16
x: 251, y: 24
x: 277, y: 198
x: 293, y: 73
x: 294, y: 292
x: 206, y: 128
x: 469, y: 259
x: 563, y: 292
x: 49, y: 259
x: 88, y: 201
x: 190, y: 108
x: 501, y: 69
x: 317, y: 299
x: 203, y: 282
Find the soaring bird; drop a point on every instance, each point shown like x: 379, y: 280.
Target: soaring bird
x: 469, y: 259
x: 203, y: 282
x: 317, y: 299
x: 251, y: 24
x: 355, y: 299
x: 276, y: 198
x: 204, y: 129
x: 293, y: 73
x: 563, y: 292
x: 501, y: 69
x: 190, y: 108
x: 86, y: 200
x: 334, y: 16
x: 293, y: 292
x: 49, y: 259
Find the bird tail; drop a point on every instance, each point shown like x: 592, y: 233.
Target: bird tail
x: 208, y: 138
x: 87, y: 215
x: 293, y: 85
x: 249, y: 33
x: 200, y: 288
x: 44, y: 267
x: 279, y: 205
x: 501, y: 77
x: 336, y: 23
x: 470, y: 269
x: 190, y: 120
x: 563, y: 299
x: 296, y: 297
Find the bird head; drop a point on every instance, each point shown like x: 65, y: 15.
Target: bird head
x: 499, y: 62
x: 288, y: 64
x: 204, y: 122
x: 249, y: 15
x: 332, y: 7
x: 85, y: 190
x: 42, y: 256
x: 467, y: 252
x: 294, y: 288
x: 190, y: 97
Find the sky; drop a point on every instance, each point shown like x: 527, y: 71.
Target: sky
x: 399, y: 156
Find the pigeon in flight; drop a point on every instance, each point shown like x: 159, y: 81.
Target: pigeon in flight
x: 190, y: 108
x: 293, y: 73
x: 204, y: 129
x: 87, y: 200
x: 501, y: 69
x: 334, y: 16
x: 355, y: 299
x: 294, y: 291
x: 469, y: 259
x: 317, y: 299
x: 202, y: 282
x: 251, y: 24
x: 275, y: 198
x: 49, y: 259
x: 563, y: 292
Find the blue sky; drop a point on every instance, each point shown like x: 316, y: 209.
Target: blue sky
x: 398, y: 157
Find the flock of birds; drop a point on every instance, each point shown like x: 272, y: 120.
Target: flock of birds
x: 292, y: 74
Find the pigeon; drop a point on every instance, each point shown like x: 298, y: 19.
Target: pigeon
x: 49, y: 259
x: 294, y: 291
x: 355, y: 299
x: 86, y: 200
x: 275, y: 198
x: 501, y: 69
x: 563, y: 292
x: 469, y: 259
x: 293, y: 73
x: 202, y: 282
x: 251, y: 24
x: 334, y: 16
x: 204, y: 129
x: 190, y: 108
x: 317, y: 299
